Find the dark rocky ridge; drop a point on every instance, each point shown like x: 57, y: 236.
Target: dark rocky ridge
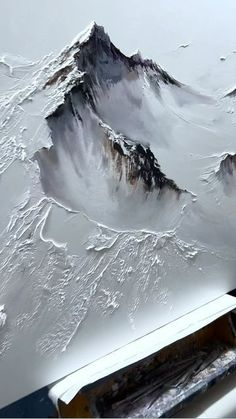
x: 96, y: 53
x: 139, y: 163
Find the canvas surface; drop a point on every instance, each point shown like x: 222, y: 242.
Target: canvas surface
x: 117, y: 185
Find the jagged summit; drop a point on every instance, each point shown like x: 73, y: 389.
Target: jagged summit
x: 83, y: 44
x: 93, y: 30
x: 95, y: 47
x: 92, y: 52
x: 137, y: 56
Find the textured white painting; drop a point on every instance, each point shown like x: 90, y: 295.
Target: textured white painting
x: 117, y: 183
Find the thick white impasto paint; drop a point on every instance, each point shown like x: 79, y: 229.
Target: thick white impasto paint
x: 95, y: 253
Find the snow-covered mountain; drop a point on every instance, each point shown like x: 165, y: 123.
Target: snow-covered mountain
x: 108, y: 134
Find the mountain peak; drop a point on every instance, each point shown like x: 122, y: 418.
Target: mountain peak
x: 91, y: 31
x: 93, y: 54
